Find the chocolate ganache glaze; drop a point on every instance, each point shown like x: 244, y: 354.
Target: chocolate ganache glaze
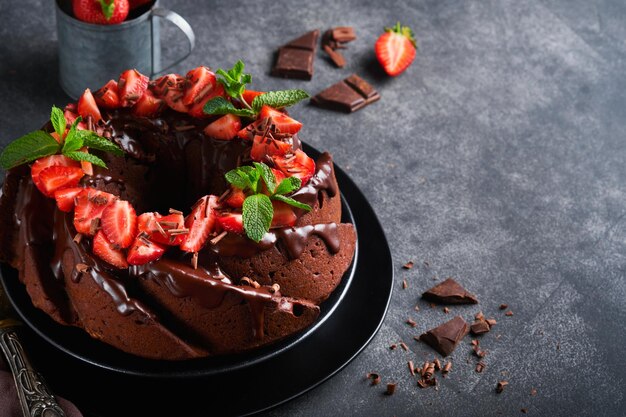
x: 168, y: 163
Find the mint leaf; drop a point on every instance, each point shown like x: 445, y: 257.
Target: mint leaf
x: 220, y: 105
x: 257, y: 216
x: 95, y: 141
x: 29, y: 147
x: 234, y: 80
x: 73, y: 140
x: 268, y: 176
x: 84, y: 156
x: 58, y: 120
x: 238, y: 179
x: 291, y: 202
x: 278, y: 99
x: 288, y: 185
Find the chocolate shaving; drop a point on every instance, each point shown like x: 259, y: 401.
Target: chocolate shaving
x: 174, y: 211
x: 391, y: 388
x: 533, y: 392
x: 160, y: 228
x: 404, y: 346
x: 437, y: 364
x: 446, y: 310
x: 411, y: 322
x: 82, y: 268
x: 393, y: 346
x: 503, y: 306
x: 411, y: 368
x: 500, y: 386
x: 405, y: 284
x: 194, y: 260
x: 450, y: 292
x: 480, y: 367
x: 217, y: 238
x: 408, y: 265
x: 78, y: 238
x: 374, y: 378
x: 446, y: 368
x: 446, y: 337
x: 508, y: 313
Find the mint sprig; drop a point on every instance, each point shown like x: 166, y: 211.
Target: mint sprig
x: 234, y: 80
x: 257, y: 211
x: 279, y: 99
x: 38, y: 144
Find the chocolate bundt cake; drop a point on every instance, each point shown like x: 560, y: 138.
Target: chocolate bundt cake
x: 175, y: 218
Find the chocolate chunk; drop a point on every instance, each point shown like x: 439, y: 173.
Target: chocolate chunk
x: 295, y: 59
x: 343, y: 34
x: 391, y: 388
x: 500, y: 386
x: 480, y: 327
x: 450, y: 292
x: 335, y: 56
x: 348, y: 95
x: 445, y: 337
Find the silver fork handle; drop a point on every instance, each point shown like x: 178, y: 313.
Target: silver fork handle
x: 35, y: 397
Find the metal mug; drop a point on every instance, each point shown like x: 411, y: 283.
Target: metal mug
x: 90, y: 55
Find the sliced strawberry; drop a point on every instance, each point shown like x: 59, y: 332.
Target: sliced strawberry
x: 160, y: 233
x: 131, y: 87
x: 395, y: 49
x: 200, y: 82
x: 283, y: 123
x: 171, y: 89
x: 48, y: 161
x: 119, y: 223
x: 268, y: 146
x: 107, y: 251
x: 231, y: 222
x: 200, y: 223
x: 59, y: 177
x: 148, y: 105
x: 65, y: 198
x: 279, y: 175
x: 71, y: 115
x: 87, y: 106
x: 143, y: 251
x: 108, y: 96
x: 56, y: 137
x: 236, y: 198
x: 299, y: 165
x: 224, y: 128
x: 90, y: 204
x: 196, y: 110
x: 284, y: 216
x: 249, y: 95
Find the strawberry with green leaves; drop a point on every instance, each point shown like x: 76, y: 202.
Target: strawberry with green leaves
x: 101, y: 12
x: 395, y: 49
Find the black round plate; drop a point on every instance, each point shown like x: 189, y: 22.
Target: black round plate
x: 99, y: 379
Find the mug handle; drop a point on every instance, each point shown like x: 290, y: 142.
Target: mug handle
x: 184, y: 27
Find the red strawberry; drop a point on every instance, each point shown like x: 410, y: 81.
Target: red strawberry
x: 171, y: 88
x: 249, y: 95
x: 279, y: 175
x: 200, y: 223
x: 131, y: 87
x: 90, y: 204
x: 66, y: 198
x: 138, y: 3
x: 395, y: 49
x: 236, y: 198
x: 143, y: 251
x: 300, y: 165
x: 148, y: 105
x: 48, y: 161
x: 108, y: 96
x: 231, y: 222
x: 107, y: 251
x: 59, y: 177
x: 268, y: 146
x: 200, y: 82
x: 224, y: 128
x: 87, y: 106
x: 119, y: 223
x: 283, y: 123
x: 101, y: 12
x: 284, y: 216
x: 147, y: 223
x: 71, y: 115
x: 196, y: 110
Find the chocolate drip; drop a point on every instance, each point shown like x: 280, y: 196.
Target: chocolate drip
x: 207, y: 286
x: 322, y: 180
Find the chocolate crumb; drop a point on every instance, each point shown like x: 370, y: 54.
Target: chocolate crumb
x: 374, y: 378
x: 411, y: 322
x: 417, y: 308
x: 408, y: 265
x: 503, y: 306
x: 391, y: 388
x: 405, y: 285
x: 426, y: 264
x: 480, y: 367
x: 393, y: 346
x: 404, y: 346
x: 533, y: 392
x: 446, y: 310
x: 500, y: 386
x: 523, y: 410
x: 508, y: 313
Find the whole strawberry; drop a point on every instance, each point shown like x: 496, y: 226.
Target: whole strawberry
x: 395, y: 49
x: 101, y: 12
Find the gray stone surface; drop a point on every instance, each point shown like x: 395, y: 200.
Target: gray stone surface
x: 498, y: 158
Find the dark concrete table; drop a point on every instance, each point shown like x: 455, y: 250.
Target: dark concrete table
x: 498, y: 158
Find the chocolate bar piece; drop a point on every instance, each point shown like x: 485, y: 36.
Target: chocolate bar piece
x: 348, y: 95
x: 446, y: 337
x: 295, y: 59
x: 335, y: 56
x: 450, y: 292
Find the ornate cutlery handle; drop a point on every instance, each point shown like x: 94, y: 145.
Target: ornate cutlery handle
x: 35, y: 397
